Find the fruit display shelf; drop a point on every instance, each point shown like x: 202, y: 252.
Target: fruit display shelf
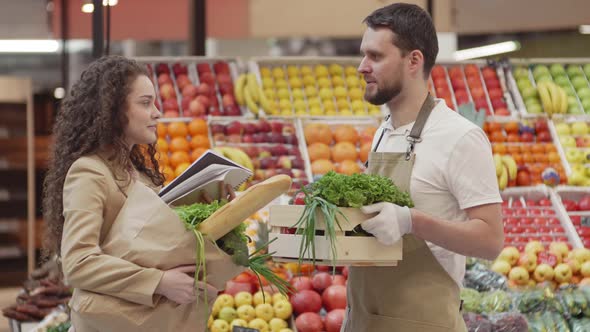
x: 341, y: 145
x: 536, y: 214
x: 533, y: 149
x: 194, y: 86
x: 272, y: 146
x: 576, y: 201
x: 311, y: 86
x: 573, y: 145
x: 477, y: 82
x: 569, y: 76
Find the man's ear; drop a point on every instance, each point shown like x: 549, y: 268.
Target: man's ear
x: 416, y: 59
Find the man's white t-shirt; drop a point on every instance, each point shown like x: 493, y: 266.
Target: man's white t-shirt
x: 454, y: 170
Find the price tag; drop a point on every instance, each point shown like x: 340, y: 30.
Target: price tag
x: 243, y: 329
x: 585, y: 221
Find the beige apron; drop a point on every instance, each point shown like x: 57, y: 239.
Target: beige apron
x: 417, y: 295
x: 149, y: 233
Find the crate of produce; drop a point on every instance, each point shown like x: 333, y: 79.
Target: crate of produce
x: 536, y: 214
x: 478, y: 82
x: 340, y: 145
x: 573, y: 144
x: 576, y: 201
x: 525, y: 152
x: 266, y: 146
x: 550, y: 86
x: 310, y: 86
x: 180, y: 142
x: 350, y: 248
x: 194, y: 86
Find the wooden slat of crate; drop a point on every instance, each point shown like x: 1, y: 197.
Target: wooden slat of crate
x: 351, y: 250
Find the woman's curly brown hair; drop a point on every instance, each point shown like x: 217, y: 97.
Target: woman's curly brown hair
x: 92, y: 118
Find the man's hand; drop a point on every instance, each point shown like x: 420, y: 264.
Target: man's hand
x: 390, y: 224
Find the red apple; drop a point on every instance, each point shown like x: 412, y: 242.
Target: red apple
x: 171, y: 114
x: 162, y: 68
x: 438, y: 72
x: 170, y: 105
x: 234, y: 128
x: 163, y: 79
x: 189, y: 91
x: 223, y: 78
x: 232, y: 110
x: 584, y: 203
x: 203, y: 89
x: 527, y: 137
x: 179, y: 68
x: 203, y: 68
x: 302, y: 283
x: 196, y: 108
x: 228, y: 100
x: 334, y: 297
x: 309, y: 322
x: 227, y: 88
x: 570, y: 205
x: 221, y: 67
x: 167, y: 91
x: 495, y: 93
x: 498, y: 102
x: 204, y: 100
x: 207, y: 78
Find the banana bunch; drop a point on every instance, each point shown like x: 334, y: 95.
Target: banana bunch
x: 506, y: 170
x: 249, y: 93
x: 238, y: 156
x: 553, y: 97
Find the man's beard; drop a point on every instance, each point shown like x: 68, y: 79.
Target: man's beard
x: 383, y: 95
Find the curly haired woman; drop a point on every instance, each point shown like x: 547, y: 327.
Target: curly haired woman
x: 104, y: 136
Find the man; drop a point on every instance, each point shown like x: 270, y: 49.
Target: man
x: 444, y: 161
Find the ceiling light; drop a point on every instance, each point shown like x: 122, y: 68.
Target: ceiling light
x: 28, y: 46
x: 59, y: 93
x: 89, y: 6
x: 483, y: 51
x: 585, y: 29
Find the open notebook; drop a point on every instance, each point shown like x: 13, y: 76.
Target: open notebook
x: 204, y: 174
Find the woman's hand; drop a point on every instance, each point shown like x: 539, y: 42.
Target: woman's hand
x: 225, y: 192
x: 177, y: 285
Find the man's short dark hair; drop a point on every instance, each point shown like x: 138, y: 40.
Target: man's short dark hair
x: 413, y: 29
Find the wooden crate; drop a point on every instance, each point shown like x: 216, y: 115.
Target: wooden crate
x: 350, y: 250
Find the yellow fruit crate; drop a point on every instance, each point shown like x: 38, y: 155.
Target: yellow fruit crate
x: 312, y: 86
x: 350, y: 249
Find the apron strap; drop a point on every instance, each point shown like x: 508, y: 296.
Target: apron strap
x: 416, y: 131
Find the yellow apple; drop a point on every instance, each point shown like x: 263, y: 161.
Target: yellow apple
x: 336, y: 69
x: 345, y: 112
x: 281, y: 84
x: 324, y: 82
x: 574, y: 265
x: 559, y: 249
x: 277, y: 324
x: 519, y: 275
x: 228, y: 314
x: 340, y: 92
x: 509, y: 254
x: 238, y: 322
x: 270, y: 94
x: 262, y: 297
x: 321, y: 71
x: 309, y: 80
x: 279, y: 297
x: 326, y: 93
x: 267, y: 83
x: 582, y: 255
x: 265, y: 311
x: 283, y: 309
x: 502, y: 267
x: 534, y: 247
x: 311, y: 91
x: 292, y: 70
x: 283, y: 94
x: 585, y: 269
x: 355, y: 94
x: 219, y: 325
x: 331, y: 112
x: 306, y: 70
x: 543, y: 272
x: 265, y: 72
x: 563, y: 273
x: 316, y: 111
x: 337, y: 81
x: 278, y: 73
x: 295, y: 82
x: 216, y: 308
x: 246, y: 312
x: 225, y: 300
x: 243, y: 298
x: 352, y: 81
x: 350, y: 70
x: 259, y: 324
x: 528, y: 260
x: 297, y: 94
x: 210, y: 321
x: 342, y: 103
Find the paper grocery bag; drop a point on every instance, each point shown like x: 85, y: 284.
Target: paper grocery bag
x: 148, y: 232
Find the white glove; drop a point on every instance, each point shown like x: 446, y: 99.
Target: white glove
x: 392, y: 222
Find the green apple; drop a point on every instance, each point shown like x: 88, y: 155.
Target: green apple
x: 544, y: 78
x: 562, y: 81
x: 529, y: 92
x: 541, y: 70
x: 579, y: 128
x: 563, y: 129
x: 574, y: 110
x: 586, y: 104
x: 574, y: 70
x: 567, y: 141
x: 572, y: 101
x: 584, y: 93
x: 569, y: 90
x: 534, y: 109
x: 557, y: 69
x: 576, y: 178
x: 523, y: 83
x: 521, y: 72
x: 574, y: 155
x: 587, y: 69
x: 246, y: 312
x: 579, y: 82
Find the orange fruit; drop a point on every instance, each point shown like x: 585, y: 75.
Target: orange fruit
x: 512, y: 149
x: 526, y: 148
x: 538, y: 148
x: 162, y: 145
x: 511, y: 127
x: 168, y: 173
x: 494, y: 126
x: 346, y: 133
x: 180, y: 168
x: 367, y: 134
x: 540, y: 157
x: 364, y: 153
x: 497, y: 136
x: 513, y: 138
x: 499, y: 148
x: 177, y: 129
x: 200, y: 141
x: 179, y: 144
x: 344, y: 151
x: 197, y: 127
x: 317, y: 132
x: 162, y: 130
x: 550, y: 148
x: 348, y: 167
x: 527, y: 158
x: 518, y: 159
x: 196, y: 153
x: 318, y: 151
x: 322, y: 166
x: 178, y: 157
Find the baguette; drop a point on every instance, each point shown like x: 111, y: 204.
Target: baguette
x: 242, y: 207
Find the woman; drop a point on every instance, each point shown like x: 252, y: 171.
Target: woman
x: 105, y: 135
